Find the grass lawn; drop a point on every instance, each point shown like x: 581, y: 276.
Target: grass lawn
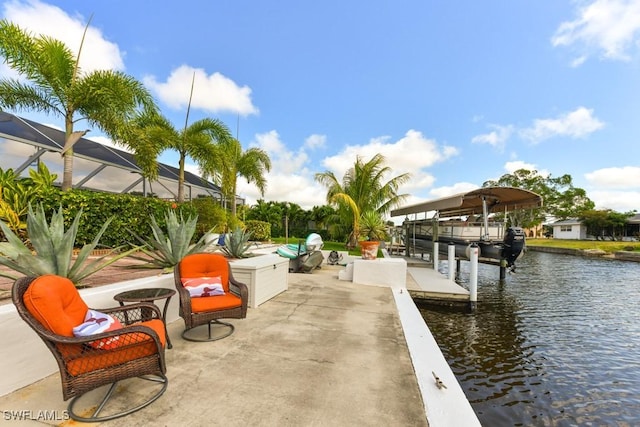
x: 328, y: 246
x: 607, y: 246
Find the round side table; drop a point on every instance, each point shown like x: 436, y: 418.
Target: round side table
x: 149, y: 295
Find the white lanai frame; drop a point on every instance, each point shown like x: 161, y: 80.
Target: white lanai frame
x: 23, y: 143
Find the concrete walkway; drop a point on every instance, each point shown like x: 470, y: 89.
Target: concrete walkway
x: 324, y: 353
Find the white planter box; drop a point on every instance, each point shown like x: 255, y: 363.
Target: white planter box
x: 266, y: 276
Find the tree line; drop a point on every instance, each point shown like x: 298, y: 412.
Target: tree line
x: 561, y: 200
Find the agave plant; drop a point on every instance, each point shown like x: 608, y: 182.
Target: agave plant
x: 166, y: 250
x: 51, y: 249
x: 237, y: 245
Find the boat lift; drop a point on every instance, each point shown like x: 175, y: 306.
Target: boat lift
x: 488, y: 239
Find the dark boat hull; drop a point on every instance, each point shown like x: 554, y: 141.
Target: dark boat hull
x: 509, y: 250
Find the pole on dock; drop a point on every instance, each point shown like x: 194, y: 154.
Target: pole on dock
x: 503, y: 269
x: 435, y: 255
x: 451, y: 252
x: 473, y: 277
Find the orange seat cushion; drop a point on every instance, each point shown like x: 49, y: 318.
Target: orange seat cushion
x: 206, y: 265
x: 218, y: 302
x: 56, y: 303
x: 131, y: 346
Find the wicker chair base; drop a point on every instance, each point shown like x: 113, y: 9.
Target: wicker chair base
x: 186, y: 334
x: 159, y: 378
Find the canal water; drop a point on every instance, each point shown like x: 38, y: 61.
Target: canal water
x: 557, y: 344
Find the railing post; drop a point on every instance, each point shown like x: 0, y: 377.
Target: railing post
x: 451, y: 251
x: 436, y: 250
x: 473, y: 277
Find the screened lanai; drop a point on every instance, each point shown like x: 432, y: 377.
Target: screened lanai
x: 99, y: 167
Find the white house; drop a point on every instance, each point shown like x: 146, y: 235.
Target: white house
x: 569, y: 229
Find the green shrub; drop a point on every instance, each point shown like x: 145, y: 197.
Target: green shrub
x: 211, y: 216
x: 260, y: 230
x: 129, y: 212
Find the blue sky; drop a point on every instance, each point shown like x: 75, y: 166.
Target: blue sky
x: 455, y: 93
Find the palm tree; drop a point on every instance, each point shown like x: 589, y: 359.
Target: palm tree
x: 55, y: 85
x: 251, y: 164
x: 363, y: 189
x: 196, y: 141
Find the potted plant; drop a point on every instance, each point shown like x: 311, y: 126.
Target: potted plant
x: 373, y: 230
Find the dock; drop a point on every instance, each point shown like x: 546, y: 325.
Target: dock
x: 430, y: 286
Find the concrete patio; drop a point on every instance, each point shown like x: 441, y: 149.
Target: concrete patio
x: 324, y: 353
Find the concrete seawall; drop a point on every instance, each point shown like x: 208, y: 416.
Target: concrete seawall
x: 619, y: 255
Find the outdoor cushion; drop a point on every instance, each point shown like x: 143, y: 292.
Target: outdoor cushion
x: 228, y: 300
x: 131, y: 346
x: 96, y: 322
x: 205, y: 265
x: 56, y: 303
x: 203, y: 286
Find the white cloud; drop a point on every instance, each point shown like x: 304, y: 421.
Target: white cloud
x: 515, y: 165
x: 213, y: 93
x: 40, y: 18
x: 576, y: 124
x: 315, y: 141
x: 496, y: 138
x: 291, y: 179
x: 619, y: 201
x: 624, y: 177
x: 411, y: 153
x: 608, y: 26
x: 457, y: 188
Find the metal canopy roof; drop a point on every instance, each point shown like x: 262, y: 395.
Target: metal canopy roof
x: 498, y: 198
x: 29, y: 132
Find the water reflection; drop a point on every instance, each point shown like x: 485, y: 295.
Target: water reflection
x: 555, y: 345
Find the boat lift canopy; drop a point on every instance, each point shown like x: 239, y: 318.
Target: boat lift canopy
x: 471, y: 202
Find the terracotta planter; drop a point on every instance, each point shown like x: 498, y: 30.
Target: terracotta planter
x: 369, y: 249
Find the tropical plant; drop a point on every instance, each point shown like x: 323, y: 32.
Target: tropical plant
x: 50, y: 249
x: 166, y: 250
x: 372, y: 226
x: 55, y: 85
x: 16, y: 193
x: 363, y: 188
x: 233, y: 162
x: 260, y: 230
x: 237, y: 244
x: 195, y: 141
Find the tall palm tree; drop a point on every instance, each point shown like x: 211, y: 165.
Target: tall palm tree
x: 197, y: 141
x: 363, y: 189
x: 251, y: 164
x: 55, y: 85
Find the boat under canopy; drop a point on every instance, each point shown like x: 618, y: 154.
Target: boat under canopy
x: 495, y: 244
x: 505, y: 199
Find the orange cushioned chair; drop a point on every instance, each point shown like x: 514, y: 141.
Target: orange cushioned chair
x: 203, y: 269
x: 52, y: 306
